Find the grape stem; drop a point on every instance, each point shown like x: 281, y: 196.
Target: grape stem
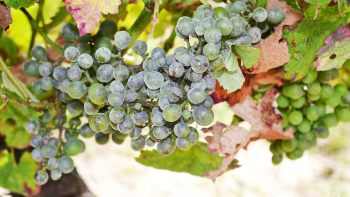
x: 13, y: 79
x: 35, y: 26
x: 88, y: 77
x: 200, y: 48
x: 60, y: 117
x: 3, y: 105
x: 28, y: 103
x: 204, y: 2
x: 58, y: 61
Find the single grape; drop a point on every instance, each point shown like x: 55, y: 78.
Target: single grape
x: 259, y: 14
x: 163, y: 102
x: 97, y: 93
x: 99, y: 122
x: 103, y: 42
x: 101, y: 138
x: 176, y: 69
x: 322, y: 132
x: 343, y: 114
x: 84, y: 48
x: 298, y: 103
x: 38, y: 52
x: 183, y: 143
x: 295, y: 117
x: 45, y: 69
x: 55, y: 174
x: 321, y: 109
x: 175, y: 94
x: 41, y: 177
x: 150, y: 64
x: 31, y: 68
x: 275, y: 15
x: 71, y: 54
x: 200, y: 85
x: 77, y: 89
x: 158, y: 53
x: 312, y: 113
x: 295, y: 91
x: 122, y: 39
x: 153, y: 94
x: 138, y: 144
x: 185, y: 58
x: 289, y: 145
x: 185, y: 25
x: 194, y: 136
x: 255, y: 34
x: 140, y: 118
x: 130, y: 96
x: 150, y: 142
x: 200, y: 64
x: 74, y: 73
x: 75, y: 107
x: 239, y: 26
x: 264, y: 27
x: 304, y: 126
x: 53, y: 163
x: 60, y: 73
x: 325, y: 76
x: 203, y: 115
x: 140, y: 47
x: 181, y: 130
x: 105, y: 73
x: 36, y: 141
x: 210, y: 81
x: 126, y: 126
x: 85, y: 61
x: 135, y: 133
x: 32, y: 126
x: 196, y: 95
x: 166, y: 86
x: 220, y: 12
x: 108, y: 28
x: 313, y: 97
x: 282, y: 101
x: 193, y: 76
x: 238, y: 7
x: 310, y: 77
x: 103, y: 55
x: 204, y: 11
x: 335, y: 73
x: 314, y: 88
x: 334, y: 101
x: 117, y: 140
x: 330, y: 120
x: 121, y: 73
x: 212, y: 35
x: 172, y: 112
x: 225, y: 25
x: 86, y: 131
x: 49, y: 151
x: 135, y: 82
x: 342, y: 89
x: 211, y: 51
x: 116, y: 99
x: 117, y: 86
x: 208, y: 101
x: 73, y: 147
x: 166, y: 147
x: 65, y: 85
x: 327, y: 91
x: 36, y: 155
x: 117, y: 115
x: 296, y: 154
x: 66, y: 164
x: 277, y: 159
x: 46, y: 83
x: 158, y: 119
x: 69, y: 31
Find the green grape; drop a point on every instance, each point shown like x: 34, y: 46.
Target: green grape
x: 36, y: 141
x: 183, y: 143
x: 303, y: 144
x: 275, y: 147
x: 289, y: 145
x: 225, y: 25
x: 117, y: 87
x: 211, y: 51
x: 282, y: 101
x: 130, y: 96
x: 109, y: 130
x: 220, y: 12
x: 135, y: 133
x: 321, y: 108
x: 343, y: 114
x: 325, y: 76
x: 314, y: 88
x: 60, y: 73
x: 312, y: 113
x: 68, y: 44
x: 285, y: 121
x: 74, y: 73
x: 117, y: 134
x: 238, y: 7
x: 150, y: 65
x: 295, y: 91
x: 193, y: 76
x: 140, y: 47
x: 160, y: 132
x: 85, y: 61
x: 264, y: 27
x: 86, y: 131
x: 84, y: 38
x: 163, y: 102
x: 99, y: 122
x: 194, y: 136
x: 46, y: 83
x: 116, y: 99
x: 103, y: 55
x: 313, y: 97
x: 277, y: 159
x: 330, y: 120
x: 259, y: 14
x: 196, y: 95
x: 117, y: 115
x: 181, y: 130
x: 103, y: 42
x: 49, y: 151
x: 185, y: 58
x: 108, y: 28
x: 126, y: 126
x: 204, y: 11
x: 342, y: 89
x: 84, y: 48
x: 275, y: 15
x: 244, y: 39
x: 335, y: 73
x: 150, y: 142
x: 298, y: 103
x: 158, y: 119
x: 346, y: 98
x: 75, y: 107
x: 66, y: 164
x: 45, y: 69
x: 31, y: 68
x: 101, y: 138
x: 172, y: 113
x: 77, y: 89
x: 239, y: 26
x: 55, y: 174
x: 138, y: 144
x: 140, y: 118
x: 176, y: 69
x: 97, y: 93
x: 334, y: 101
x: 212, y: 35
x: 65, y: 85
x: 73, y: 147
x: 217, y: 64
x: 255, y: 34
x: 41, y: 177
x: 121, y: 73
x: 117, y: 140
x: 295, y: 117
x: 296, y: 154
x: 322, y: 132
x: 200, y: 64
x: 154, y: 80
x: 203, y: 115
x: 69, y: 31
x: 175, y: 94
x: 39, y: 53
x: 122, y: 39
x: 185, y: 25
x: 310, y: 77
x: 327, y: 91
x: 304, y: 126
x: 153, y: 94
x: 166, y: 86
x: 166, y: 147
x: 71, y: 54
x: 32, y: 126
x: 104, y: 73
x: 52, y: 163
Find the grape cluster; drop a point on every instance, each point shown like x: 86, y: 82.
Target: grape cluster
x: 304, y: 106
x: 239, y: 22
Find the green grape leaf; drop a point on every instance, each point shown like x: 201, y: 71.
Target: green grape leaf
x: 184, y: 2
x: 16, y: 4
x: 13, y: 118
x: 10, y: 86
x: 318, y: 3
x: 261, y: 3
x: 249, y: 55
x: 231, y: 63
x: 230, y: 80
x: 19, y: 177
x: 196, y: 161
x: 57, y: 19
x: 8, y: 50
x: 308, y: 37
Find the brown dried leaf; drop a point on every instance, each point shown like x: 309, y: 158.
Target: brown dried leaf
x: 5, y: 16
x: 266, y: 78
x: 213, y: 141
x: 234, y: 139
x: 275, y: 53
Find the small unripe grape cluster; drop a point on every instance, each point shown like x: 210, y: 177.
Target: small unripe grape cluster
x: 303, y: 105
